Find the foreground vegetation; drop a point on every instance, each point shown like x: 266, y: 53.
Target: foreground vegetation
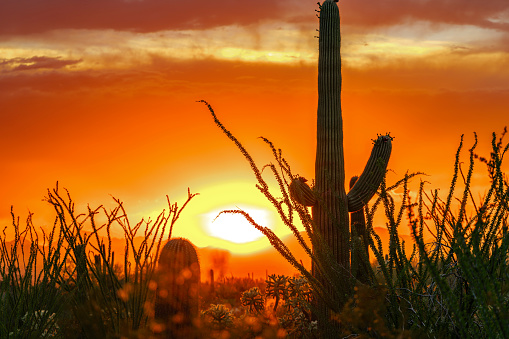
x: 454, y: 285
x: 67, y: 282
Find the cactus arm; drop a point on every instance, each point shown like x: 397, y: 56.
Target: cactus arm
x: 372, y: 176
x: 301, y: 192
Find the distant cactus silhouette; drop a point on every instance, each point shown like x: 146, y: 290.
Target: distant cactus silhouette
x: 177, y: 295
x: 212, y: 287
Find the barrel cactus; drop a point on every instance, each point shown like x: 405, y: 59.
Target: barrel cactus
x: 331, y: 204
x: 177, y: 294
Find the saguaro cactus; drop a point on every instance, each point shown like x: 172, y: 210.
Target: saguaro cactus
x: 177, y: 298
x: 331, y: 204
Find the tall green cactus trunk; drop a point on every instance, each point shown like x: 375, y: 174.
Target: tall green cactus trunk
x: 331, y: 214
x: 330, y: 202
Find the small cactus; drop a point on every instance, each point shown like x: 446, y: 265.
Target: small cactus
x: 177, y: 294
x: 253, y: 299
x: 212, y: 287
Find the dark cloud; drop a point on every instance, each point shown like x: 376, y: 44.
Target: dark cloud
x: 461, y: 12
x: 28, y: 16
x: 37, y: 62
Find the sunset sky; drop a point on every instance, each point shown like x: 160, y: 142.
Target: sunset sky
x: 101, y: 95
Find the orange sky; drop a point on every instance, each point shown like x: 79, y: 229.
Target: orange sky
x: 100, y: 96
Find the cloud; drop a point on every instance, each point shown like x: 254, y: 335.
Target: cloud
x: 493, y: 14
x: 267, y: 42
x: 28, y: 17
x: 36, y: 62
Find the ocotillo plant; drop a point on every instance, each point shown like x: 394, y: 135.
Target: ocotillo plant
x: 331, y: 204
x: 177, y: 299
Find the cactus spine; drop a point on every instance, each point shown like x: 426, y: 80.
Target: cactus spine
x: 177, y: 294
x: 331, y: 204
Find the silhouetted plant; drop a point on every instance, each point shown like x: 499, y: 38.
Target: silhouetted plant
x: 296, y: 315
x: 291, y: 317
x: 253, y: 300
x: 330, y: 220
x: 469, y: 257
x: 277, y: 288
x: 219, y: 316
x: 228, y: 290
x: 286, y: 208
x: 30, y: 301
x: 330, y: 211
x: 178, y: 286
x: 77, y: 291
x: 454, y: 286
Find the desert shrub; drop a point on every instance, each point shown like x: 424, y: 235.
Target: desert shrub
x: 262, y: 315
x: 452, y: 286
x: 30, y: 300
x: 228, y: 291
x: 64, y: 282
x: 219, y: 316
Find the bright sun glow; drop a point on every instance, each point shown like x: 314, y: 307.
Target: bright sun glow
x: 234, y: 227
x: 228, y: 232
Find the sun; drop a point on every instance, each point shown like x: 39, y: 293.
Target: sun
x: 203, y: 223
x: 234, y: 227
